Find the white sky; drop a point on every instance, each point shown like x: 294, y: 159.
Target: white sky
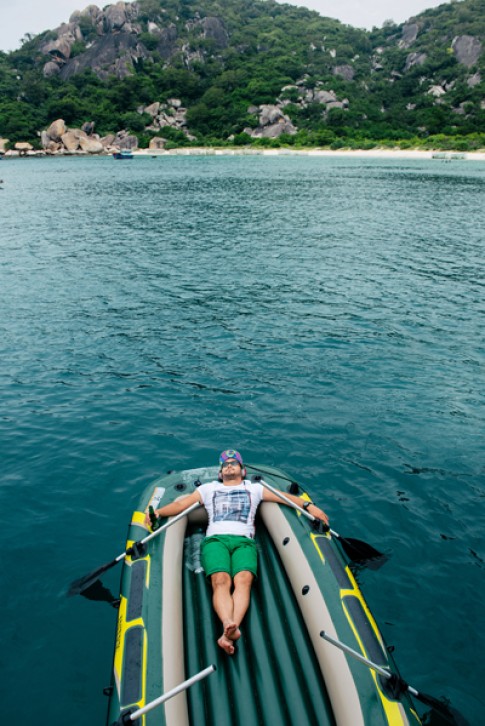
x: 18, y: 17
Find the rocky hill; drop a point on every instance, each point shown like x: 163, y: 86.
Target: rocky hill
x: 205, y: 71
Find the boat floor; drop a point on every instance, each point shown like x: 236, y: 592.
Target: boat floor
x: 274, y: 677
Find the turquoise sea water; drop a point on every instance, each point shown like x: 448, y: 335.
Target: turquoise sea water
x: 326, y: 316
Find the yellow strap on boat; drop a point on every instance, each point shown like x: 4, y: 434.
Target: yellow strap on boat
x: 138, y: 519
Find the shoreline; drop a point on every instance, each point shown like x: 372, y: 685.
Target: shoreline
x: 362, y: 153
x: 377, y: 153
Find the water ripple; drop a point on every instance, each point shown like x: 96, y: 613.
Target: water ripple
x: 323, y: 315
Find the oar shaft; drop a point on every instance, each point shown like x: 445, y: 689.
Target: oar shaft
x: 363, y: 659
x: 356, y: 655
x: 173, y: 692
x: 288, y: 501
x: 168, y: 524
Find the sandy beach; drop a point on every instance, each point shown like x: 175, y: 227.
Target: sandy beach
x: 242, y: 151
x: 361, y: 153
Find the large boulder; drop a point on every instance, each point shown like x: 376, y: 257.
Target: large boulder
x: 60, y: 48
x: 3, y: 144
x: 72, y: 139
x: 152, y: 110
x: 51, y: 69
x: 108, y: 142
x: 91, y: 11
x: 56, y: 130
x: 273, y: 131
x: 91, y: 146
x: 125, y: 141
x: 52, y: 147
x: 269, y: 115
x: 115, y: 17
x: 88, y: 127
x: 325, y: 96
x: 467, y: 49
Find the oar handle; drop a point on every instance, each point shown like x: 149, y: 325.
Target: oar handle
x: 168, y: 524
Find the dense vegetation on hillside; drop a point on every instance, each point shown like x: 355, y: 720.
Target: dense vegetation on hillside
x: 401, y: 84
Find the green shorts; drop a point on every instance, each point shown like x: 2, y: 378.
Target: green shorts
x: 229, y: 553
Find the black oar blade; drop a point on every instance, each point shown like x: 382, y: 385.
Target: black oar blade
x: 360, y: 551
x: 98, y: 592
x: 83, y: 583
x: 441, y: 714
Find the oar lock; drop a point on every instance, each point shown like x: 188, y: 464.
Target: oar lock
x: 137, y: 551
x: 319, y: 526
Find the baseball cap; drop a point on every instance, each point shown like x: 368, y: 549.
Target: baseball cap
x: 230, y: 454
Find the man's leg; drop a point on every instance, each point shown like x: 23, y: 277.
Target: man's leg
x: 240, y: 598
x: 224, y: 606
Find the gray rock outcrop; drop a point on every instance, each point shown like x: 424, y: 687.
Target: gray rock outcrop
x: 113, y: 45
x: 125, y: 141
x: 51, y: 69
x: 467, y: 49
x: 170, y: 114
x: 215, y: 29
x: 345, y: 71
x: 474, y: 80
x: 324, y: 97
x: 115, y: 54
x: 272, y: 123
x: 436, y: 91
x: 415, y: 59
x: 409, y: 34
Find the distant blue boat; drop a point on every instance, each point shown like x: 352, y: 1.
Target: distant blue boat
x: 123, y: 155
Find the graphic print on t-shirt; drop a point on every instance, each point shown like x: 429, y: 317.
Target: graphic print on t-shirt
x: 233, y: 506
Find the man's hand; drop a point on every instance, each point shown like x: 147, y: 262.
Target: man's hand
x: 318, y: 513
x: 148, y: 521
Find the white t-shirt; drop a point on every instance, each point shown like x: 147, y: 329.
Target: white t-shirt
x: 231, y: 509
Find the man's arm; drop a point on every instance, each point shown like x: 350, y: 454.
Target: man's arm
x: 312, y: 509
x: 170, y: 510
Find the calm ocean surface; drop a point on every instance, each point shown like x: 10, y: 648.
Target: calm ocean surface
x: 323, y: 315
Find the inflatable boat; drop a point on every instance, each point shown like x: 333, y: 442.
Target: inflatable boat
x: 283, y: 672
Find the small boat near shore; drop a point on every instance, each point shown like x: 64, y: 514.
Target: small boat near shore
x: 284, y: 670
x: 122, y: 155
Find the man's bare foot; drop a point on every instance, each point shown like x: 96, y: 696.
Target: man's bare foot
x: 231, y: 630
x: 226, y: 645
